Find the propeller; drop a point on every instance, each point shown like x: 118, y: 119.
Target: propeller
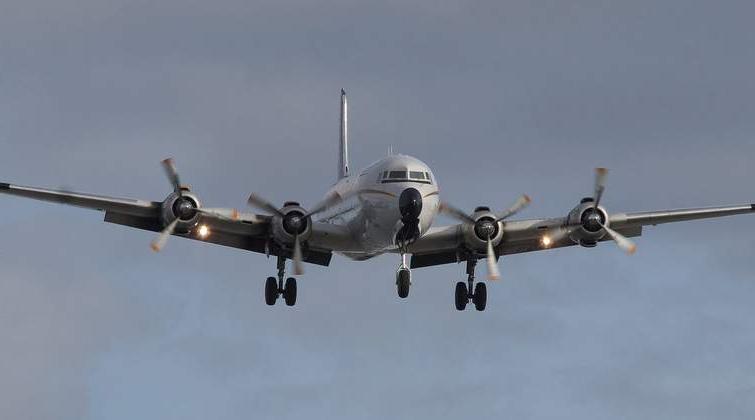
x: 294, y: 222
x: 260, y: 203
x: 170, y: 170
x: 186, y: 207
x: 298, y: 266
x: 624, y: 243
x: 600, y: 186
x: 159, y: 242
x: 485, y: 227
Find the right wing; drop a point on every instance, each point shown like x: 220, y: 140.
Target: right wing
x: 445, y: 245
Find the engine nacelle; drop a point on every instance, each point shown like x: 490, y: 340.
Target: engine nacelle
x: 476, y: 235
x: 183, y: 208
x: 590, y: 223
x: 285, y: 228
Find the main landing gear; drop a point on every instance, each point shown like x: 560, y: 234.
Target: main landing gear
x: 464, y: 292
x: 275, y: 288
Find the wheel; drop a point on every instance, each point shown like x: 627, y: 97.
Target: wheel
x: 461, y: 296
x: 403, y: 281
x: 271, y: 290
x: 480, y: 296
x: 289, y: 291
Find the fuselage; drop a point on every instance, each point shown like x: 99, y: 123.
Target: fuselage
x: 382, y: 201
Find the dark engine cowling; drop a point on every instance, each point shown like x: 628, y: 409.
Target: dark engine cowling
x: 590, y: 221
x: 476, y: 235
x: 182, y: 207
x: 285, y: 228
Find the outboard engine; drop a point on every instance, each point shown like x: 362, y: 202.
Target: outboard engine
x: 182, y: 207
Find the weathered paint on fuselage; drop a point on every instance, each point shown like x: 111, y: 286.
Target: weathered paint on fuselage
x: 370, y: 210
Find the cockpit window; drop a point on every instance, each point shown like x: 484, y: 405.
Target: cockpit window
x: 406, y: 176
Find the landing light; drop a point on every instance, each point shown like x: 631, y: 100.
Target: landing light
x: 546, y: 241
x: 204, y: 231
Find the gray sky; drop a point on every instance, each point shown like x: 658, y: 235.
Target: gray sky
x: 499, y: 97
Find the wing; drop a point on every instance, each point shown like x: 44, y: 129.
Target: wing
x: 90, y: 201
x: 250, y: 232
x: 444, y: 245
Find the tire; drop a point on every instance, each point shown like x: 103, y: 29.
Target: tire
x: 461, y: 296
x: 403, y: 282
x: 289, y: 291
x: 271, y: 291
x: 480, y: 297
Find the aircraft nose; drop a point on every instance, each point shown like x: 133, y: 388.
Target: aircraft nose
x: 410, y: 204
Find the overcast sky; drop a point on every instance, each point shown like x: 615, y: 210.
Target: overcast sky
x: 498, y: 97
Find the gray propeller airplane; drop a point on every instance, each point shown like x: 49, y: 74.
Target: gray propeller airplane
x: 388, y: 207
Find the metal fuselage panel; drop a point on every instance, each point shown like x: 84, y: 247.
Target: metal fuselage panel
x: 370, y: 210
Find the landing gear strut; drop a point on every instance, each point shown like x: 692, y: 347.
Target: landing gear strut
x: 275, y: 288
x: 477, y: 294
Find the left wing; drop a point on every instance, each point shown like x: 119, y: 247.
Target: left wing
x: 444, y: 245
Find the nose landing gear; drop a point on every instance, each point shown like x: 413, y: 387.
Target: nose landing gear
x: 477, y: 294
x: 275, y: 288
x: 403, y: 278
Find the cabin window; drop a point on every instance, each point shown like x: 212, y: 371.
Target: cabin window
x: 416, y: 175
x: 398, y: 175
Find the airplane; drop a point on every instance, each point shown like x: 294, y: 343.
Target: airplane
x: 387, y: 207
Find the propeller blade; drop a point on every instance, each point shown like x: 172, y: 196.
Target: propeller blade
x: 600, y: 185
x: 622, y: 241
x: 325, y: 204
x: 298, y: 266
x: 455, y: 213
x: 260, y: 203
x: 170, y: 170
x: 159, y: 242
x: 228, y: 214
x: 493, y: 273
x: 520, y: 204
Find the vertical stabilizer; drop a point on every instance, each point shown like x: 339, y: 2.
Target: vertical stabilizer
x: 343, y: 144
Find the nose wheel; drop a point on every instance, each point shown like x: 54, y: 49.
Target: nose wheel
x: 276, y: 287
x: 403, y: 278
x: 469, y: 292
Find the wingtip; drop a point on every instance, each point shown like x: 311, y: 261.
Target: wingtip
x: 6, y: 186
x: 154, y: 247
x: 343, y: 92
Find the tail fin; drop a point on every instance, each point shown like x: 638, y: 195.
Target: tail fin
x: 343, y: 147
